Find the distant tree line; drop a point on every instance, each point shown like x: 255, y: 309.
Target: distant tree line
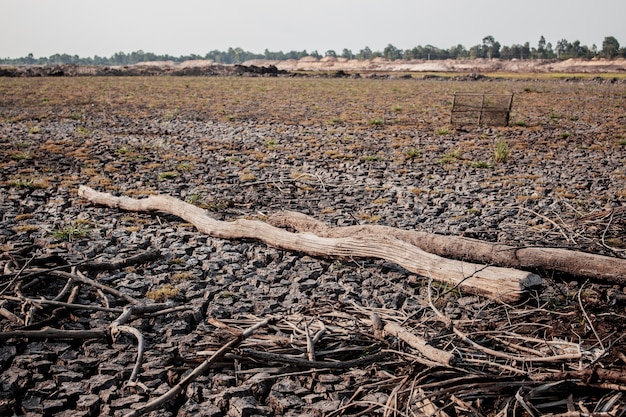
x: 489, y: 48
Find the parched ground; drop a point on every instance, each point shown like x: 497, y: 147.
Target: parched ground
x: 344, y: 151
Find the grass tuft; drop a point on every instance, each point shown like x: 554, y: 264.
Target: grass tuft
x: 501, y: 152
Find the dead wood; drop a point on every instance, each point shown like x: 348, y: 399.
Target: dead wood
x: 575, y: 263
x: 199, y: 370
x: 49, y: 333
x: 141, y: 258
x: 420, y: 344
x: 498, y: 283
x: 270, y: 357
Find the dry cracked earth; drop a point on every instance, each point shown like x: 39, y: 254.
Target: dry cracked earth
x: 140, y: 300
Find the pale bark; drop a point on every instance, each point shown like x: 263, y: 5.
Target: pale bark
x: 498, y: 283
x: 575, y: 263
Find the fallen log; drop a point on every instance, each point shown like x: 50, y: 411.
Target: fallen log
x: 504, y: 284
x: 575, y: 263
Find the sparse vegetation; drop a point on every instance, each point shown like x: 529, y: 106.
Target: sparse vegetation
x: 169, y: 175
x: 501, y: 152
x: 70, y: 232
x: 481, y: 164
x: 451, y: 157
x: 163, y: 293
x: 32, y: 183
x: 412, y: 153
x: 26, y: 228
x: 22, y: 156
x: 182, y: 276
x: 373, y: 158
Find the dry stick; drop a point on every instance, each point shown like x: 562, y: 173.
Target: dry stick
x: 9, y: 315
x: 602, y: 240
x: 582, y: 308
x: 141, y: 258
x: 17, y: 275
x: 290, y: 360
x: 492, y: 352
x: 43, y: 301
x: 310, y: 348
x: 199, y: 370
x: 85, y: 280
x: 419, y: 343
x: 50, y: 333
x: 500, y: 283
x: 118, y: 327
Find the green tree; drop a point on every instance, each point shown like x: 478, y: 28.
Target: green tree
x: 541, y: 48
x: 562, y: 47
x: 610, y: 47
x: 492, y: 47
x: 365, y: 53
x: 391, y: 52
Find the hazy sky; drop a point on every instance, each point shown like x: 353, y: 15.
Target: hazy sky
x: 181, y: 27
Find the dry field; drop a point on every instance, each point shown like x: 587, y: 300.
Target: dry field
x: 344, y: 151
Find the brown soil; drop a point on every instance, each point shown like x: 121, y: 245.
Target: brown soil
x: 345, y: 151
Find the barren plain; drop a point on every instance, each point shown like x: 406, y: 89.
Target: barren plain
x: 344, y: 151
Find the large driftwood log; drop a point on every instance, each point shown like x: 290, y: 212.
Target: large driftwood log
x: 504, y: 284
x: 575, y: 263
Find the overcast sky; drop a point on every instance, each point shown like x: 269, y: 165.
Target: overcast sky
x: 87, y: 28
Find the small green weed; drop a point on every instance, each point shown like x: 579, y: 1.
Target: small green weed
x: 22, y: 156
x: 501, y: 152
x: 373, y: 158
x: 168, y: 175
x: 123, y: 150
x: 185, y: 166
x: 271, y: 143
x: 211, y: 205
x: 481, y: 164
x: 412, y: 153
x: 451, y: 157
x: 83, y: 131
x: 376, y: 122
x: 71, y: 231
x: 443, y: 131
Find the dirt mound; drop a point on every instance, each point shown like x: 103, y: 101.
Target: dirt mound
x: 263, y: 67
x: 192, y: 68
x: 450, y: 65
